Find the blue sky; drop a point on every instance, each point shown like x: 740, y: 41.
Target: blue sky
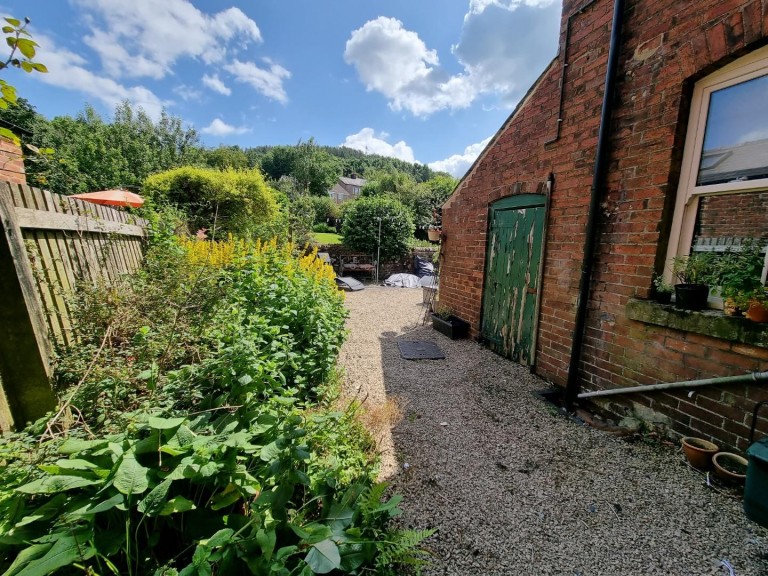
x: 427, y: 81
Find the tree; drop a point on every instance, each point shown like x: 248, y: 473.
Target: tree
x: 315, y: 170
x: 312, y: 169
x: 361, y: 226
x: 227, y: 201
x: 227, y: 157
x: 432, y: 194
x: 325, y: 209
x: 278, y: 162
x: 91, y: 154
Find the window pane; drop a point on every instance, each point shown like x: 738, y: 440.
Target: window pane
x: 736, y: 137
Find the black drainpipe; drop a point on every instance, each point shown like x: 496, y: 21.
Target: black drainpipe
x: 598, y: 187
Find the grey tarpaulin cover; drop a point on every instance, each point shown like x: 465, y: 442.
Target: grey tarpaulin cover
x: 403, y: 281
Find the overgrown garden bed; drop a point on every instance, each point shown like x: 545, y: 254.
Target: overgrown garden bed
x: 200, y: 430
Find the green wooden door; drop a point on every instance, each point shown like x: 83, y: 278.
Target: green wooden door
x: 512, y: 276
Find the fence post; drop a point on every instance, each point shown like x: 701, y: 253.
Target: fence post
x: 25, y: 367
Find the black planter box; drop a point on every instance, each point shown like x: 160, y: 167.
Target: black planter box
x: 691, y: 296
x: 452, y: 326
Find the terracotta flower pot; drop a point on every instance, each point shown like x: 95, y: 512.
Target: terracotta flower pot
x: 433, y: 234
x: 699, y: 452
x: 757, y: 312
x: 730, y: 467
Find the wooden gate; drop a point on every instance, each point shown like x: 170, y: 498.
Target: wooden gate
x: 512, y: 276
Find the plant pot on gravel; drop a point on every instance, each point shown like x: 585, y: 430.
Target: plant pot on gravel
x: 450, y: 326
x: 699, y: 452
x: 730, y: 468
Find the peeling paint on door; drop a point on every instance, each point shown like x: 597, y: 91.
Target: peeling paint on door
x: 510, y: 293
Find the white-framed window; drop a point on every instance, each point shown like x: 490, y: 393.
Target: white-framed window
x: 723, y: 190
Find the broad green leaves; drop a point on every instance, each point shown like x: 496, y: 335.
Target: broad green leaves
x: 56, y: 484
x: 131, y: 477
x: 323, y: 557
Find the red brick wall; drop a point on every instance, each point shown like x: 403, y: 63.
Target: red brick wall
x: 666, y: 47
x: 11, y: 162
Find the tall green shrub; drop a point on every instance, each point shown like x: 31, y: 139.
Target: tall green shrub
x: 229, y: 201
x: 361, y: 227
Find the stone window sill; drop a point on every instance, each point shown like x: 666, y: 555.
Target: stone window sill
x: 708, y: 322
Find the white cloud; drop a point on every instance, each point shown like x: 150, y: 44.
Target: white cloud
x: 395, y: 62
x: 458, y: 164
x: 68, y: 70
x: 479, y: 6
x: 266, y: 81
x: 188, y: 92
x: 215, y: 84
x: 367, y: 141
x: 145, y: 37
x: 504, y: 46
x: 220, y: 128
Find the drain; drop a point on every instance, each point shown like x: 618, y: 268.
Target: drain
x: 419, y: 350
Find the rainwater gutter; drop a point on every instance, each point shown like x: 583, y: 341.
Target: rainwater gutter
x: 598, y: 187
x: 742, y: 379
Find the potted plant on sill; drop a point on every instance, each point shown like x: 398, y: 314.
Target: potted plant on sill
x: 694, y: 273
x: 435, y: 228
x: 446, y: 323
x: 738, y: 273
x: 662, y: 291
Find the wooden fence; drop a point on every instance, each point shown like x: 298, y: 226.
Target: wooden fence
x: 50, y: 244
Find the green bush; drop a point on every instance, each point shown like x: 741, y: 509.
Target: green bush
x: 325, y: 209
x: 227, y: 201
x: 323, y: 229
x: 202, y: 440
x: 302, y: 216
x: 361, y: 226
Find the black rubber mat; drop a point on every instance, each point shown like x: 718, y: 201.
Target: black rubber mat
x: 419, y: 350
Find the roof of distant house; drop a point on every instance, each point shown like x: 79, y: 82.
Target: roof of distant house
x: 353, y: 181
x: 745, y: 161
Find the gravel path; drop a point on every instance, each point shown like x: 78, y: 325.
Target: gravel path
x: 514, y: 488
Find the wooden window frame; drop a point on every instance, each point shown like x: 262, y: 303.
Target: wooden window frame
x: 746, y: 68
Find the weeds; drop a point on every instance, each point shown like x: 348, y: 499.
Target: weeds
x: 204, y: 438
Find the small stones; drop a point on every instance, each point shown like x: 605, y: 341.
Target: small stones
x: 514, y: 488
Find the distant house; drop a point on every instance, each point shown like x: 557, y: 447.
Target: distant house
x: 347, y: 188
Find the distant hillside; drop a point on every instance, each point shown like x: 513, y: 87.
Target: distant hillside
x: 358, y: 162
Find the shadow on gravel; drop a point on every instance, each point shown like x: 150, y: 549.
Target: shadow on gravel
x: 513, y: 487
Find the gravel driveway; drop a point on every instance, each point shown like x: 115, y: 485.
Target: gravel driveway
x: 514, y: 488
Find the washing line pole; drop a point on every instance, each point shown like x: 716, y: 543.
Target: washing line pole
x: 378, y: 250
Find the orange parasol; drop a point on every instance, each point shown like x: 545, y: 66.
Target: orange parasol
x: 112, y: 198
